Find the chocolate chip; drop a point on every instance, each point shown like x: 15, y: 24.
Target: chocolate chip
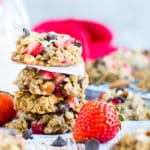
x: 80, y: 83
x: 92, y: 145
x: 25, y: 32
x: 45, y: 59
x: 121, y: 99
x: 63, y: 107
x: 27, y: 134
x: 51, y: 36
x: 28, y: 118
x: 59, y: 142
x: 119, y: 89
x: 99, y: 62
x: 77, y: 43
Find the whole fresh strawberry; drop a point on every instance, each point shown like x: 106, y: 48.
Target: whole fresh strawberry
x: 96, y: 120
x: 7, y: 111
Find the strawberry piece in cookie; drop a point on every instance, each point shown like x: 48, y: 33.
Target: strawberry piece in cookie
x: 47, y: 75
x: 34, y: 49
x: 73, y: 102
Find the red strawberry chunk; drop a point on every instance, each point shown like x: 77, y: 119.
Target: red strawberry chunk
x: 37, y: 127
x: 67, y: 43
x: 72, y: 101
x: 58, y: 91
x: 59, y: 78
x: 115, y: 101
x: 34, y: 49
x: 57, y: 44
x: 64, y: 61
x: 118, y: 100
x: 47, y: 75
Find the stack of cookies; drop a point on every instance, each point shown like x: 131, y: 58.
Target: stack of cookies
x: 48, y: 101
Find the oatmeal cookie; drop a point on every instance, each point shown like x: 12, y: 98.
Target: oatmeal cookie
x: 40, y: 104
x: 41, y: 82
x: 133, y: 141
x: 19, y: 124
x: 103, y: 70
x: 119, y: 65
x: 50, y: 123
x: 144, y: 84
x: 98, y: 72
x: 47, y: 49
x: 131, y: 106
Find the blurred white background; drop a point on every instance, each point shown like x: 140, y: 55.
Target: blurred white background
x: 128, y: 19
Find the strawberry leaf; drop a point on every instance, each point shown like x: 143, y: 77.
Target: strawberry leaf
x: 121, y: 117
